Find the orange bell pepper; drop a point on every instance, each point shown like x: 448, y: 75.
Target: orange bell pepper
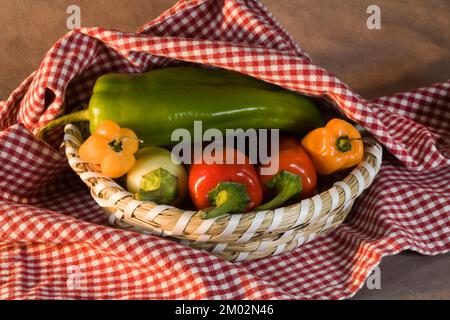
x: 112, y: 148
x: 335, y: 147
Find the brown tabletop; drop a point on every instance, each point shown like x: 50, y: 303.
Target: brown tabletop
x: 411, y: 49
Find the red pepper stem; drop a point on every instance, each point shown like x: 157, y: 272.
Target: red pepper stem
x: 78, y: 116
x: 159, y: 186
x: 226, y: 198
x: 287, y: 185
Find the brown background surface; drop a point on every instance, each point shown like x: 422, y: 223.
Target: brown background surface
x: 412, y: 49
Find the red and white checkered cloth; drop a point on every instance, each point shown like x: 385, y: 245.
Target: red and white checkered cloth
x: 50, y: 227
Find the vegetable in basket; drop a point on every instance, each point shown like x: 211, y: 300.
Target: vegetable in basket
x: 156, y: 103
x: 217, y: 189
x: 156, y: 177
x: 111, y: 147
x: 296, y: 176
x: 335, y: 147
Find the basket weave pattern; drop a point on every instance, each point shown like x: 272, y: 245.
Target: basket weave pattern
x: 233, y: 237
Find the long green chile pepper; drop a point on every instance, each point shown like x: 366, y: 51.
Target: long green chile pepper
x: 155, y: 103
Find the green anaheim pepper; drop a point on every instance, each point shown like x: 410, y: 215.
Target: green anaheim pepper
x: 155, y: 103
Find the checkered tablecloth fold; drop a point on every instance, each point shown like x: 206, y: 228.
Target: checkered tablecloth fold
x: 52, y: 232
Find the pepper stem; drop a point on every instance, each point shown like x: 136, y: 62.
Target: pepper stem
x: 159, y: 186
x: 78, y: 116
x: 343, y: 143
x: 116, y: 145
x: 287, y: 185
x: 226, y: 198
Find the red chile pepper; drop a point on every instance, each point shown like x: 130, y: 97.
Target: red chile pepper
x: 218, y: 189
x: 296, y: 176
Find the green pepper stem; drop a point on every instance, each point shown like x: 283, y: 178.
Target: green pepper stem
x: 78, y: 116
x: 227, y: 198
x: 343, y: 143
x: 159, y: 186
x: 116, y: 145
x: 287, y: 185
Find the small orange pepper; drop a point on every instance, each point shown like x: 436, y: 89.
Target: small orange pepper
x: 335, y: 147
x: 112, y: 147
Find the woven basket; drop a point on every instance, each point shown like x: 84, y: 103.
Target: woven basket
x: 234, y: 237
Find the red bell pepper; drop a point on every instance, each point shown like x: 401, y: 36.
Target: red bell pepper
x: 218, y: 189
x: 296, y: 175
